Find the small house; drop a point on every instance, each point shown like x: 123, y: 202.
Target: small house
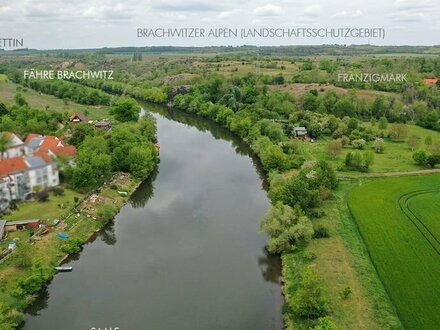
x: 104, y: 124
x: 22, y: 224
x: 300, y: 132
x: 430, y: 81
x: 78, y: 118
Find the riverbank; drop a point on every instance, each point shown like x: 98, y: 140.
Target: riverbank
x: 31, y: 265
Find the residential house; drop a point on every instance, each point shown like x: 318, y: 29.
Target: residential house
x: 15, y: 146
x: 104, y: 124
x: 430, y: 81
x: 78, y: 118
x: 20, y: 175
x: 300, y: 132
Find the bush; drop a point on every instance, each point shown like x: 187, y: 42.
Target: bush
x: 58, y: 191
x: 324, y: 323
x: 379, y: 145
x: 43, y: 196
x: 72, y: 246
x: 358, y: 144
x: 106, y: 213
x: 311, y: 299
x: 321, y: 231
x: 346, y: 293
x: 420, y: 158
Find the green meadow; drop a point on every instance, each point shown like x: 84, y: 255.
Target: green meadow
x: 398, y: 219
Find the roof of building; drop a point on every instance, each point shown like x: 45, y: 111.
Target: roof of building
x: 430, y: 81
x: 35, y: 161
x: 31, y: 136
x: 80, y: 116
x: 21, y: 222
x: 103, y: 122
x: 45, y: 144
x: 12, y: 165
x: 300, y: 128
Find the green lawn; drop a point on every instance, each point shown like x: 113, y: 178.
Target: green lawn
x: 398, y: 219
x: 397, y: 156
x: 46, y: 211
x: 41, y: 101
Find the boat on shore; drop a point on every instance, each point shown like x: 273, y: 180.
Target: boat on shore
x: 64, y: 268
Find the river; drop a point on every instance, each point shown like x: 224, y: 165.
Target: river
x: 185, y: 253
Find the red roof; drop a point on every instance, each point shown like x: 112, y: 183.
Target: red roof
x: 12, y: 165
x: 430, y: 81
x: 54, y: 145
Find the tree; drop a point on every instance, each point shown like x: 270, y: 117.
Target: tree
x: 413, y: 142
x: 3, y: 109
x: 383, y: 123
x: 420, y: 158
x: 284, y: 226
x: 20, y: 100
x: 398, y: 132
x: 79, y: 133
x: 334, y: 148
x: 311, y: 299
x: 379, y: 145
x: 141, y: 160
x: 126, y: 109
x: 4, y: 144
x: 358, y: 144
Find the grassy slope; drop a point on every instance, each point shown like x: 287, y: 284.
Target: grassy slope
x: 397, y: 156
x: 343, y: 262
x: 39, y: 100
x: 407, y: 264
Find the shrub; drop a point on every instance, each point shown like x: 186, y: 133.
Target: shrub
x: 72, y: 246
x: 58, y: 191
x: 379, y: 145
x: 324, y: 323
x: 358, y: 144
x: 43, y: 196
x: 346, y: 293
x: 311, y: 299
x: 321, y: 231
x: 420, y: 157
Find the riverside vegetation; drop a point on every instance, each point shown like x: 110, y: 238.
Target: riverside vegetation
x: 358, y: 129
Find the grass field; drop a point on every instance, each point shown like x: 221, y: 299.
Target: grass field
x: 397, y: 156
x: 398, y: 219
x: 42, y: 101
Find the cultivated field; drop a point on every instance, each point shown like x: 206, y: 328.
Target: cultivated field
x: 399, y: 221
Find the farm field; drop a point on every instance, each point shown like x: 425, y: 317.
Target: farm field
x: 397, y: 218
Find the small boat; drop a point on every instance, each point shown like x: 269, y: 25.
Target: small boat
x: 64, y: 268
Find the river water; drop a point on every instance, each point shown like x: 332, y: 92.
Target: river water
x: 185, y: 253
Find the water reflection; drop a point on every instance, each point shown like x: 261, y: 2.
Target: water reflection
x: 270, y: 266
x: 218, y: 132
x: 144, y: 192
